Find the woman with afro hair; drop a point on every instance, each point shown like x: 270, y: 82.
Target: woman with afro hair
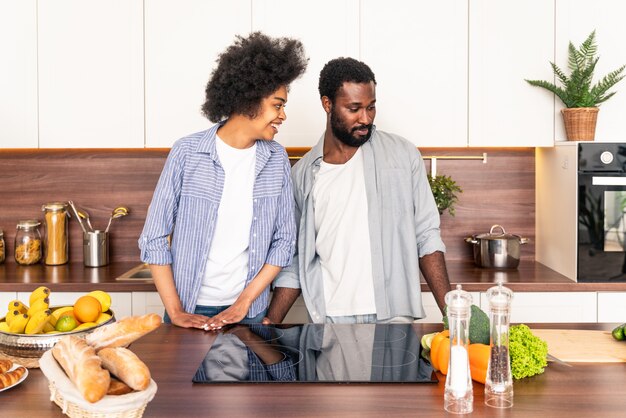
x: 224, y: 198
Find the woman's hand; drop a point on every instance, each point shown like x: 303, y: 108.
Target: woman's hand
x: 231, y: 315
x: 187, y: 320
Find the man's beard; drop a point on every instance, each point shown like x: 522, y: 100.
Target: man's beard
x: 347, y: 136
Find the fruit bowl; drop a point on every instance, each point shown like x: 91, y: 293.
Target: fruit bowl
x: 33, y: 346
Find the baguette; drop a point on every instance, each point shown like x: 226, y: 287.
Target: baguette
x: 10, y: 378
x: 117, y: 387
x: 83, y: 367
x: 5, y: 365
x: 123, y: 332
x: 126, y: 366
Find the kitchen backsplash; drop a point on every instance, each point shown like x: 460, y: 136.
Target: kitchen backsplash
x: 502, y: 191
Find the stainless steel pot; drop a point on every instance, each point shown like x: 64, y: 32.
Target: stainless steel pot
x: 496, y: 250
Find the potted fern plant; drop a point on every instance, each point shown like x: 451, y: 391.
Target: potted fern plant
x: 444, y: 190
x: 580, y: 97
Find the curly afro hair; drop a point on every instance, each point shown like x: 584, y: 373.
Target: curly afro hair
x: 341, y: 70
x: 249, y: 70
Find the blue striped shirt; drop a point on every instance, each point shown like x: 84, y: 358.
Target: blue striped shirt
x: 185, y: 203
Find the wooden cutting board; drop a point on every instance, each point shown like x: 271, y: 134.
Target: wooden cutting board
x: 583, y: 345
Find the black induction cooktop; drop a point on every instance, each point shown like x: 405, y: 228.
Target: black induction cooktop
x: 310, y: 353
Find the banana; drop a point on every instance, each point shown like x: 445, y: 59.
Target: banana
x: 12, y: 314
x: 38, y: 306
x: 37, y: 322
x: 4, y: 327
x: 47, y: 327
x: 16, y: 304
x: 18, y: 324
x: 40, y: 293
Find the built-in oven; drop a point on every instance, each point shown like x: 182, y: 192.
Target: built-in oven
x: 601, y: 206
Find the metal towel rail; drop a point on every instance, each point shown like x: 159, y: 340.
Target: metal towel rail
x: 433, y: 160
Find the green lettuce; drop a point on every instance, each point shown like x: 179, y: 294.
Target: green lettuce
x: 528, y: 353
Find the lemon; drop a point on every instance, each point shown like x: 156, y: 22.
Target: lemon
x: 66, y: 323
x: 103, y: 297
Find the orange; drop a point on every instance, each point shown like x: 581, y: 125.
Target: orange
x: 87, y: 309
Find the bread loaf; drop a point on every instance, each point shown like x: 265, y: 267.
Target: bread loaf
x: 126, y: 366
x: 9, y: 378
x: 82, y: 366
x: 123, y: 332
x: 117, y: 387
x: 5, y: 365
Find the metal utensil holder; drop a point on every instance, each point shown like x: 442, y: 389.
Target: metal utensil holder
x: 95, y: 248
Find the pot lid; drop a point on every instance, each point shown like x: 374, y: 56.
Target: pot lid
x: 497, y: 232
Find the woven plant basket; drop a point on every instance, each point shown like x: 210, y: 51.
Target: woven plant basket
x: 580, y: 123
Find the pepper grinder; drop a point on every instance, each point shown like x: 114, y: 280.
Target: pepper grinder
x: 499, y: 382
x: 458, y: 395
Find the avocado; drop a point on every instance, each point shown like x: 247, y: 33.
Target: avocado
x: 478, y: 328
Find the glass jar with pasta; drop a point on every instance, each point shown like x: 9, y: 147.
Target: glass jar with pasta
x: 56, y: 246
x: 28, y: 249
x: 2, y: 247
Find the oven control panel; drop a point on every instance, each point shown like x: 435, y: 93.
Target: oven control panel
x: 602, y: 157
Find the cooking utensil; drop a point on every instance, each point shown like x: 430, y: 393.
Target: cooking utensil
x: 118, y: 212
x: 496, y: 249
x: 85, y: 216
x: 558, y: 360
x: 78, y: 218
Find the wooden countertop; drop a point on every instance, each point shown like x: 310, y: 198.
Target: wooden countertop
x: 173, y: 355
x: 74, y: 277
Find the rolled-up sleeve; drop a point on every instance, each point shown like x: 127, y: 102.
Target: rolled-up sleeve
x: 153, y: 242
x: 426, y: 214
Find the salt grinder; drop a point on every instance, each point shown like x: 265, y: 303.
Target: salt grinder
x: 499, y: 382
x: 458, y: 395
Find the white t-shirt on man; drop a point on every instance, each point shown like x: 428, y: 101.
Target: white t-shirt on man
x: 227, y: 264
x: 342, y: 238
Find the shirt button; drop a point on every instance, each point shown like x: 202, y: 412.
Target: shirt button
x: 252, y: 251
x: 254, y: 218
x: 254, y: 235
x: 254, y: 200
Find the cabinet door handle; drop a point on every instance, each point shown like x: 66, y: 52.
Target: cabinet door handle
x: 608, y: 181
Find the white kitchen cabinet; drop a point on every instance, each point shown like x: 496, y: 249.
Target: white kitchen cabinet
x: 5, y: 298
x: 510, y: 42
x: 182, y: 42
x: 147, y: 302
x: 121, y: 302
x: 18, y: 74
x: 90, y: 73
x: 328, y: 29
x: 612, y: 307
x: 537, y: 307
x: 433, y: 314
x: 575, y: 20
x: 418, y: 52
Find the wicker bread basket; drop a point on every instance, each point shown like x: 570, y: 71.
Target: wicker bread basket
x: 66, y: 396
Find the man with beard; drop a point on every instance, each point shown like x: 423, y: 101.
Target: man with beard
x: 366, y: 215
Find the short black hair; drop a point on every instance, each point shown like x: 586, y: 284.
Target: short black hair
x: 249, y: 70
x: 341, y: 70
